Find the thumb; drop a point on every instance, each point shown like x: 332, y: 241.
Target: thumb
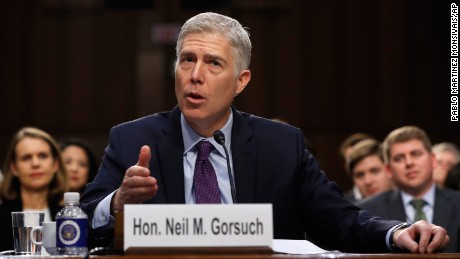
x: 144, y: 157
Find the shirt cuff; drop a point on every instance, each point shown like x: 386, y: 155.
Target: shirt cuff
x: 387, y: 238
x: 102, y: 212
x: 390, y: 233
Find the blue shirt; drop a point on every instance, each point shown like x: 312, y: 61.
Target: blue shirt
x: 191, y: 138
x: 217, y: 158
x: 427, y: 209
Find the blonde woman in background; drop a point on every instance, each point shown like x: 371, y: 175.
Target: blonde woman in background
x: 34, y: 179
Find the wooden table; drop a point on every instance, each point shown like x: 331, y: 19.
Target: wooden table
x: 263, y: 256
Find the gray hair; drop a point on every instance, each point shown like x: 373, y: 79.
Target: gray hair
x: 226, y: 26
x: 447, y: 146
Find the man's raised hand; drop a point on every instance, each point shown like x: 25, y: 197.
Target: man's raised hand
x: 137, y: 186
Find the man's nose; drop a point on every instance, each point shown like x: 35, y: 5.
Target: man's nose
x: 197, y: 73
x: 367, y: 179
x: 409, y: 161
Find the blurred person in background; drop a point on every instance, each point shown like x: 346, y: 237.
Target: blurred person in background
x: 453, y: 178
x: 447, y: 155
x: 81, y: 164
x: 366, y: 167
x: 407, y: 153
x: 346, y: 146
x: 34, y: 179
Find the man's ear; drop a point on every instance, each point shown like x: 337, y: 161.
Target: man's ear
x: 243, y: 80
x: 433, y: 160
x: 388, y: 171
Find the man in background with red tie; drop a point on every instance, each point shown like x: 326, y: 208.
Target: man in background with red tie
x: 407, y: 152
x: 176, y: 157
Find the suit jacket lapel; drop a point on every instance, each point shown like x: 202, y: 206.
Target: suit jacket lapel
x: 395, y: 206
x: 442, y: 208
x: 244, y: 151
x: 170, y: 150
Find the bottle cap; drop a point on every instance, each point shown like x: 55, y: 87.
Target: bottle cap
x: 71, y: 197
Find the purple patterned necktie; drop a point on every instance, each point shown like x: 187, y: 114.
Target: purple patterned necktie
x: 204, y: 177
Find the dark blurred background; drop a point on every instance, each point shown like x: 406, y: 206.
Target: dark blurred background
x: 75, y: 68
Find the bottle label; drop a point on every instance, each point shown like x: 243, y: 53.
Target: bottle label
x: 71, y: 232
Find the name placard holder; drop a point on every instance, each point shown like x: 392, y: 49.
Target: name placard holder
x: 202, y: 229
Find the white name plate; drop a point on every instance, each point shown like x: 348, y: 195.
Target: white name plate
x: 162, y: 226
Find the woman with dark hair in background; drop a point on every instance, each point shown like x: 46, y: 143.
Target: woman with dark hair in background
x: 34, y: 179
x: 80, y: 162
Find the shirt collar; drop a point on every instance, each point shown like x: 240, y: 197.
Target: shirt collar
x: 191, y: 138
x: 428, y: 197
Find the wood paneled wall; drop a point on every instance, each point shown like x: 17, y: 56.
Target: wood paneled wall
x: 76, y: 68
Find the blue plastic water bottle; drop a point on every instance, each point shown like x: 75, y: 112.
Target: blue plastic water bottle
x: 72, y: 227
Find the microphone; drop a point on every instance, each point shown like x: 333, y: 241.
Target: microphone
x: 219, y: 137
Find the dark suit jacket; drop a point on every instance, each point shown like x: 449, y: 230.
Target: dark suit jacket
x: 7, y: 206
x: 271, y: 165
x: 350, y: 196
x: 389, y: 205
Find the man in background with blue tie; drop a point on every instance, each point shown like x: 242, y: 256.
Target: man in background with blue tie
x: 176, y: 157
x: 407, y: 152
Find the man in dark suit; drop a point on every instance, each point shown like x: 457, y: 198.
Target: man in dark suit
x: 408, y: 156
x: 367, y: 169
x: 269, y: 159
x: 354, y: 194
